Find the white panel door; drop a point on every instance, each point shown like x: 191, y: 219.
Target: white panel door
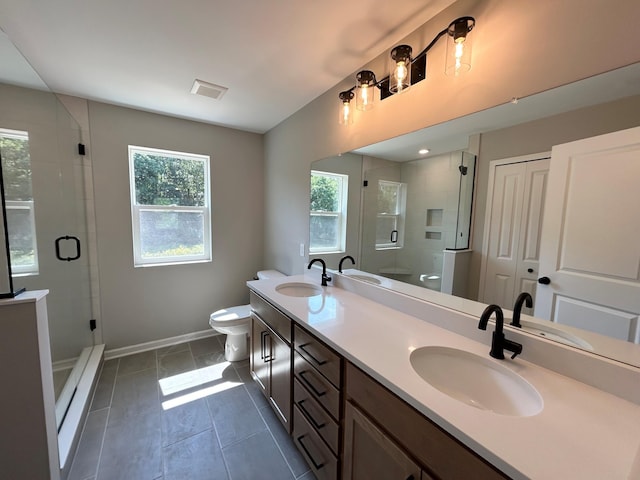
x: 590, y: 250
x: 515, y: 221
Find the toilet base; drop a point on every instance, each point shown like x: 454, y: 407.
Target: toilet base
x: 236, y: 347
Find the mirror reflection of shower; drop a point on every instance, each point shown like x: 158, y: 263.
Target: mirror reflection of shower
x: 431, y: 213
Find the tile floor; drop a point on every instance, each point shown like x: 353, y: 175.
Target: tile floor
x: 183, y: 412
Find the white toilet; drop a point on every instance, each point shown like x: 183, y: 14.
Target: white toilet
x: 433, y: 281
x: 235, y: 323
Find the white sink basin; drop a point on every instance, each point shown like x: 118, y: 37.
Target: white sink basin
x: 299, y: 289
x: 364, y: 278
x: 548, y: 331
x: 477, y: 381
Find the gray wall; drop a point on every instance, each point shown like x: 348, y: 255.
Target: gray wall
x: 520, y: 48
x: 150, y: 303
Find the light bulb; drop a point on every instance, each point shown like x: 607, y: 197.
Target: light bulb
x: 346, y: 117
x: 458, y: 46
x: 399, y: 77
x: 365, y: 94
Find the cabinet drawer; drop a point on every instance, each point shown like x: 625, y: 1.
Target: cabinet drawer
x: 318, y: 456
x: 325, y: 360
x: 319, y: 419
x: 318, y: 386
x: 279, y: 323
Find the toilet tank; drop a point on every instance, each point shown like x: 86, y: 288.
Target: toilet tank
x: 268, y: 274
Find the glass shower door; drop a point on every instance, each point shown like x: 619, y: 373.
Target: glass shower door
x: 46, y: 192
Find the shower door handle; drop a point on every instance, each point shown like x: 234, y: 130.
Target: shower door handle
x: 67, y: 259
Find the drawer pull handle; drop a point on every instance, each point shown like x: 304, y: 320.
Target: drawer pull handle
x: 316, y: 465
x: 310, y: 385
x: 266, y: 358
x: 309, y: 417
x: 262, y: 344
x: 318, y: 362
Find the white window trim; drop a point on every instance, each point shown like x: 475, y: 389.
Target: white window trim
x: 206, y: 256
x: 341, y: 214
x: 34, y: 268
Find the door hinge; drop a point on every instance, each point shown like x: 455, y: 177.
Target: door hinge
x: 92, y: 324
x: 365, y: 183
x: 81, y: 149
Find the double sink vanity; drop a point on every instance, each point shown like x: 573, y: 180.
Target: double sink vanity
x: 373, y: 384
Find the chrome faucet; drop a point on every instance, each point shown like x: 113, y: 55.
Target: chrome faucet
x: 517, y: 308
x: 325, y: 278
x: 498, y: 342
x: 346, y: 257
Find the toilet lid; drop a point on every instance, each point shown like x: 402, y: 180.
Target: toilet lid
x: 230, y: 316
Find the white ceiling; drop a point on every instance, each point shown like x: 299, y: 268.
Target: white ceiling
x: 274, y: 56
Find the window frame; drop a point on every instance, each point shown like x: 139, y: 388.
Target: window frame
x: 136, y: 210
x: 32, y: 268
x: 340, y: 214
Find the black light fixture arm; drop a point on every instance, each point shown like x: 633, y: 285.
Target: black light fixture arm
x: 430, y: 46
x: 459, y: 27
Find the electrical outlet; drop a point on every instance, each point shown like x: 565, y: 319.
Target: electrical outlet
x: 302, y: 249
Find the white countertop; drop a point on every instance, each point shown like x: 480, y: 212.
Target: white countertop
x: 581, y: 433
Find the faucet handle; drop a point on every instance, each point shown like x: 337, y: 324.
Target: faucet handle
x: 515, y: 348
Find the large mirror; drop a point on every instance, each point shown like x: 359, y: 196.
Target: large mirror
x: 421, y: 269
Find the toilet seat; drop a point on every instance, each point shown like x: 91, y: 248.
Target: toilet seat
x: 229, y: 317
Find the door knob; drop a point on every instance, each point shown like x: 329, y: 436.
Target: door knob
x: 544, y: 280
x: 530, y: 270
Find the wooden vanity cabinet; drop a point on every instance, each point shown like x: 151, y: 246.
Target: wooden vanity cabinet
x: 369, y: 454
x: 317, y: 401
x: 384, y: 437
x: 270, y: 359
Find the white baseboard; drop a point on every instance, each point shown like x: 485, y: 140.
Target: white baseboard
x: 66, y: 364
x: 165, y: 342
x: 69, y: 434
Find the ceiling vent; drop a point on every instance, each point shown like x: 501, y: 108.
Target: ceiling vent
x: 208, y: 89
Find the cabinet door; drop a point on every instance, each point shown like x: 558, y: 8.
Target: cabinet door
x: 370, y: 455
x: 259, y: 365
x: 280, y: 380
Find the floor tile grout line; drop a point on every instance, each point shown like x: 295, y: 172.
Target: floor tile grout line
x: 215, y: 430
x: 106, y: 423
x: 275, y: 440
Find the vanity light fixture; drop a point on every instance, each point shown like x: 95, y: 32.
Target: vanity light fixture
x: 400, y: 75
x: 406, y: 70
x: 365, y: 93
x: 346, y: 116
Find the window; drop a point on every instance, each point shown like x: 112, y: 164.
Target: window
x: 328, y: 222
x: 392, y: 201
x: 21, y: 225
x: 170, y: 210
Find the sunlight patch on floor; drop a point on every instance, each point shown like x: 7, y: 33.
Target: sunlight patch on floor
x: 211, y: 378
